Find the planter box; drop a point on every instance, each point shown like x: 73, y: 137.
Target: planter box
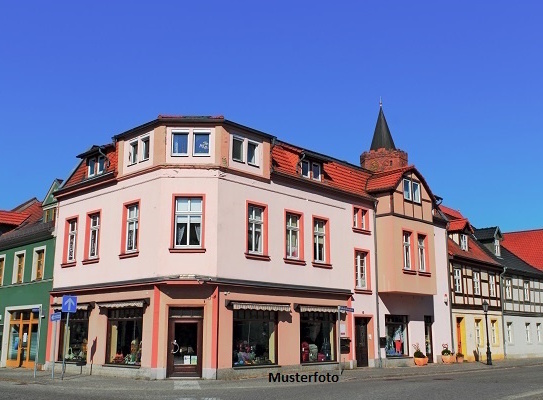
x: 450, y: 359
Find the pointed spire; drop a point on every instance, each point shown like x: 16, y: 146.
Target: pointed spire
x: 382, y: 139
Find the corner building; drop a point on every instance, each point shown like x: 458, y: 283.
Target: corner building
x: 200, y: 247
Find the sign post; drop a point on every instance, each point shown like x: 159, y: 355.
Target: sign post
x: 341, y: 309
x: 55, y: 317
x: 69, y: 306
x: 36, y: 357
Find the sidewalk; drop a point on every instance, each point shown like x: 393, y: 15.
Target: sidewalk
x: 86, y: 382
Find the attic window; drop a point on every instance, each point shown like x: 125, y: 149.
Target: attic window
x: 497, y: 250
x: 96, y: 166
x: 311, y: 170
x: 464, y: 242
x: 411, y: 190
x: 305, y: 169
x: 316, y: 171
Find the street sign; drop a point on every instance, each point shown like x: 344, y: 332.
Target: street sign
x: 56, y: 316
x: 345, y: 309
x: 69, y: 304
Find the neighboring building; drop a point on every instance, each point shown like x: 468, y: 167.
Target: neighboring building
x: 474, y: 278
x: 411, y: 254
x: 526, y: 245
x: 26, y: 275
x: 200, y: 247
x: 522, y: 290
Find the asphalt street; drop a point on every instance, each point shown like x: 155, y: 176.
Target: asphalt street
x: 505, y: 381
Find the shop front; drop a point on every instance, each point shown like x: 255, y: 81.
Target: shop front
x: 22, y: 338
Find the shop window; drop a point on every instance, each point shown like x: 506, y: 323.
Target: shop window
x: 318, y: 336
x: 124, y: 336
x: 255, y: 338
x: 76, y: 337
x: 396, y: 335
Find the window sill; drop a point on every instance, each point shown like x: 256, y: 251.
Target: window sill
x: 129, y: 255
x: 363, y: 291
x: 122, y: 366
x: 91, y: 261
x: 238, y: 161
x: 189, y: 250
x: 309, y: 363
x: 362, y: 231
x: 68, y: 264
x: 321, y: 265
x: 256, y: 366
x: 409, y: 272
x: 179, y: 155
x: 294, y: 261
x: 260, y: 257
x: 146, y: 159
x: 422, y: 273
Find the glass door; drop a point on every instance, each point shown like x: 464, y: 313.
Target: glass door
x: 23, y: 339
x: 428, y: 338
x: 185, y: 349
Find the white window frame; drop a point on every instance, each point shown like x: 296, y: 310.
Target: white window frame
x: 538, y: 330
x: 133, y: 152
x: 458, y: 280
x: 508, y: 291
x: 361, y: 270
x: 239, y: 141
x: 94, y: 232
x: 256, y: 161
x: 492, y: 285
x: 145, y: 145
x: 308, y: 164
x: 98, y: 164
x: 528, y: 333
x: 319, y: 168
x: 255, y: 224
x: 497, y: 250
x: 416, y: 193
x: 132, y: 223
x: 407, y: 193
x: 35, y: 262
x: 72, y: 240
x: 476, y: 283
x: 184, y: 133
x: 192, y: 216
x: 196, y: 133
x: 293, y: 232
x: 509, y: 332
x: 406, y: 250
x: 16, y: 267
x: 3, y: 269
x: 494, y: 331
x: 526, y: 287
x: 478, y: 335
x: 464, y: 242
x: 319, y: 256
x: 421, y: 252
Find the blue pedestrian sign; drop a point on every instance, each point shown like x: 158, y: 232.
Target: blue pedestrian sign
x: 56, y: 316
x: 69, y: 304
x: 345, y: 309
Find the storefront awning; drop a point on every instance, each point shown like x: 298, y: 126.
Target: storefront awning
x: 260, y: 306
x: 124, y: 304
x: 328, y: 309
x: 82, y: 306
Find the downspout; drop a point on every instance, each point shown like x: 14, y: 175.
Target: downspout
x: 106, y: 159
x: 377, y: 285
x: 502, y: 287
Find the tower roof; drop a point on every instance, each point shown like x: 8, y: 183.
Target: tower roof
x: 382, y: 139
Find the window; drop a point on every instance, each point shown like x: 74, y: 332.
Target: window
x: 133, y: 154
x: 2, y: 264
x: 237, y: 149
x: 494, y: 331
x: 188, y: 222
x: 422, y: 252
x: 39, y: 264
x: 201, y: 144
x: 396, y: 335
x: 318, y: 336
x: 255, y: 229
x: 19, y: 268
x: 509, y: 332
x: 458, y: 280
x: 407, y: 189
x: 492, y: 285
x: 407, y: 250
x: 508, y: 293
x: 538, y: 329
x: 96, y: 166
x: 49, y: 215
x: 497, y: 251
x: 124, y: 336
x: 478, y: 341
x: 477, y: 283
x: 319, y: 240
x: 526, y: 291
x: 72, y: 237
x: 360, y: 270
x: 252, y: 153
x: 145, y: 149
x: 305, y: 169
x: 316, y: 171
x: 293, y: 236
x: 360, y: 218
x: 416, y: 192
x: 527, y: 332
x: 77, y: 337
x: 180, y: 143
x: 463, y: 242
x: 255, y: 338
x: 132, y: 221
x: 94, y: 228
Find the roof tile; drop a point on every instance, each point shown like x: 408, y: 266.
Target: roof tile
x: 527, y: 245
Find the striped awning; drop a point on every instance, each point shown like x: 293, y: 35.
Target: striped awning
x: 82, y: 306
x: 124, y: 304
x: 328, y: 309
x: 260, y: 306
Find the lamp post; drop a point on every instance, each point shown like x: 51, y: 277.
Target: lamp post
x: 488, y: 352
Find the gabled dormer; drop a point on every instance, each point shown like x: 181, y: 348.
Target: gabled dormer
x: 96, y: 160
x: 491, y: 238
x: 49, y: 204
x: 459, y: 231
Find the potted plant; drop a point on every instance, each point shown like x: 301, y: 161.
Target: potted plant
x: 447, y: 356
x: 418, y: 356
x: 459, y: 357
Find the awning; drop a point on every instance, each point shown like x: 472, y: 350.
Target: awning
x: 318, y: 309
x: 124, y: 304
x: 82, y: 306
x: 260, y: 306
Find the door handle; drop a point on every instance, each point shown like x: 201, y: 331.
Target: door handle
x: 175, y: 347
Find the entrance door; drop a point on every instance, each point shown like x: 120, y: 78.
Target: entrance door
x: 428, y: 338
x: 23, y: 339
x: 361, y: 335
x: 459, y: 335
x: 185, y: 348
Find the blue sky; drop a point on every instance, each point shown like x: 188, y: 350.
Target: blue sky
x: 461, y: 84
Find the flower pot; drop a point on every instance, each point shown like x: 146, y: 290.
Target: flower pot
x: 450, y: 359
x: 421, y: 361
x: 459, y: 359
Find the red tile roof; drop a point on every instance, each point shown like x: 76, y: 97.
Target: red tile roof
x: 387, y: 180
x: 336, y: 174
x: 527, y: 245
x: 12, y: 218
x: 453, y: 214
x: 80, y: 173
x: 474, y: 252
x: 456, y: 225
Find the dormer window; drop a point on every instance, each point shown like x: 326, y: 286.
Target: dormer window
x: 305, y: 169
x: 464, y: 242
x: 311, y: 170
x: 407, y: 189
x: 416, y: 192
x: 316, y: 171
x: 497, y: 250
x: 96, y: 166
x: 411, y: 190
x: 133, y: 155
